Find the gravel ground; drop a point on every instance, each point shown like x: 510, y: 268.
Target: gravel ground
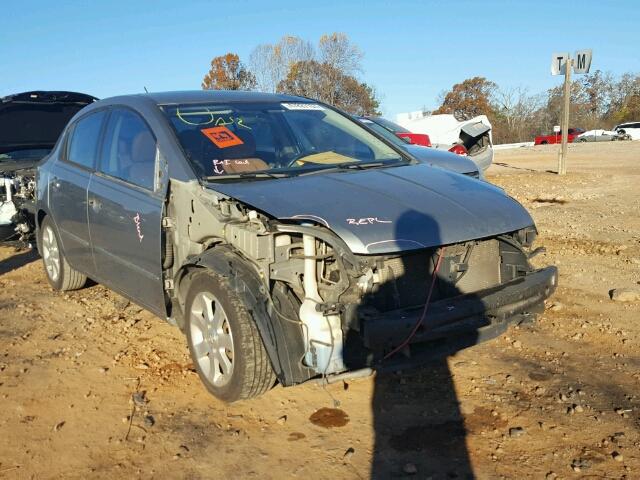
x: 92, y: 386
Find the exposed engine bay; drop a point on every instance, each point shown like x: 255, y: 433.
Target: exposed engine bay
x: 341, y: 310
x: 30, y: 124
x: 17, y: 205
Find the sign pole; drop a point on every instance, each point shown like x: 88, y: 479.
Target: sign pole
x: 580, y: 63
x: 562, y: 156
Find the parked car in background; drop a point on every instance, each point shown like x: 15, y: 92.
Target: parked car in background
x: 557, y: 137
x: 600, y: 136
x: 286, y: 240
x: 30, y: 124
x: 470, y: 138
x: 629, y: 128
x: 413, y: 138
x: 433, y: 157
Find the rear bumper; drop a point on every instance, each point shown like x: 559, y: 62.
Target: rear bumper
x: 477, y: 317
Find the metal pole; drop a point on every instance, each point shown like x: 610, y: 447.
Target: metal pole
x: 562, y: 157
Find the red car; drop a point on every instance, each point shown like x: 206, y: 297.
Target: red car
x: 557, y: 137
x: 414, y: 138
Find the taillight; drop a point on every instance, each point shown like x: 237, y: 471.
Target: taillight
x: 459, y: 150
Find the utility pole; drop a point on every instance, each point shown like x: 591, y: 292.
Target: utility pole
x: 562, y: 155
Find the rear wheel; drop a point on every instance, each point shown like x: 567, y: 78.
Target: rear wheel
x: 60, y: 274
x: 224, y: 342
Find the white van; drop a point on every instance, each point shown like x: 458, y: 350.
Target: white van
x: 631, y: 128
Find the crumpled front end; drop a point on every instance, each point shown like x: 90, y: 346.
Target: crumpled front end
x: 342, y: 291
x: 371, y: 310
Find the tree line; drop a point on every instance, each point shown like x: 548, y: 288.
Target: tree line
x: 328, y: 72
x: 331, y: 71
x: 598, y: 100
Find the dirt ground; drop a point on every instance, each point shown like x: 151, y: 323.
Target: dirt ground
x: 94, y: 387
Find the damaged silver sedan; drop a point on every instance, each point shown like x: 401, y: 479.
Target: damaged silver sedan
x: 286, y: 240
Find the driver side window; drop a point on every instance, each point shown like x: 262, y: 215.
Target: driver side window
x: 129, y: 149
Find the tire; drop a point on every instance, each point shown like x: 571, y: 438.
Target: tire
x: 544, y: 142
x: 60, y: 274
x: 224, y: 342
x: 582, y: 140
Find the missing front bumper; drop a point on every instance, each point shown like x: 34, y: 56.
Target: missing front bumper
x: 478, y: 316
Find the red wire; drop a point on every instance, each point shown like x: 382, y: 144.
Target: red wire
x: 424, y: 311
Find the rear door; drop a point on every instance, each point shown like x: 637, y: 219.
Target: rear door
x: 68, y: 184
x: 125, y: 211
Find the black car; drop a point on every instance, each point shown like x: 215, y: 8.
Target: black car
x: 30, y: 124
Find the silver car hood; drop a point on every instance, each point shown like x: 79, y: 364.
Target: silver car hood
x: 388, y: 209
x: 442, y: 159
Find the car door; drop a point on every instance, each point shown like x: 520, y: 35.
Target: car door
x: 68, y: 184
x: 600, y: 136
x: 125, y: 211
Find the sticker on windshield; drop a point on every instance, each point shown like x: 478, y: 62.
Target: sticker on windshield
x: 222, y: 137
x: 302, y: 106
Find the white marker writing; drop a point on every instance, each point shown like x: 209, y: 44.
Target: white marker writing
x: 218, y: 165
x: 366, y: 221
x: 138, y: 221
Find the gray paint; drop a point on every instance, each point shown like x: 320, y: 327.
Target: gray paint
x: 458, y: 208
x: 124, y: 226
x: 441, y: 158
x: 68, y: 195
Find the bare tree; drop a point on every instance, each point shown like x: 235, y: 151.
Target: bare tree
x: 270, y: 64
x: 337, y: 51
x: 515, y: 110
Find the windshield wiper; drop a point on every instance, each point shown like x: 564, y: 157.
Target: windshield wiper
x: 350, y: 166
x: 236, y: 176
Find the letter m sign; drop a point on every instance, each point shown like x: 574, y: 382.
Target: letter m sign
x: 582, y: 61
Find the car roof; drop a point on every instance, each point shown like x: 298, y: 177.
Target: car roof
x: 222, y: 96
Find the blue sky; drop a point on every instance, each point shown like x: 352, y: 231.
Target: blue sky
x: 413, y: 49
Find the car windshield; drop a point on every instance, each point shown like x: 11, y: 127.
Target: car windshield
x: 26, y: 155
x: 384, y: 133
x: 389, y: 125
x: 288, y: 138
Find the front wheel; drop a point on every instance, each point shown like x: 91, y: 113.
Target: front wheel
x: 60, y: 274
x: 224, y: 342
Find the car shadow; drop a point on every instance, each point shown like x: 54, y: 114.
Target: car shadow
x: 17, y: 261
x: 418, y: 424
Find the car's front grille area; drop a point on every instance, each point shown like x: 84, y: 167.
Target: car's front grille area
x: 404, y: 280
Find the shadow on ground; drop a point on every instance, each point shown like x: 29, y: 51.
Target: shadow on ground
x: 19, y: 260
x: 417, y: 421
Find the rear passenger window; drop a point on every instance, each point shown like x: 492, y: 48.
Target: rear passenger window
x: 83, y: 144
x: 129, y: 149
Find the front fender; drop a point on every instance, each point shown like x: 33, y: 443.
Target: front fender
x: 282, y: 339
